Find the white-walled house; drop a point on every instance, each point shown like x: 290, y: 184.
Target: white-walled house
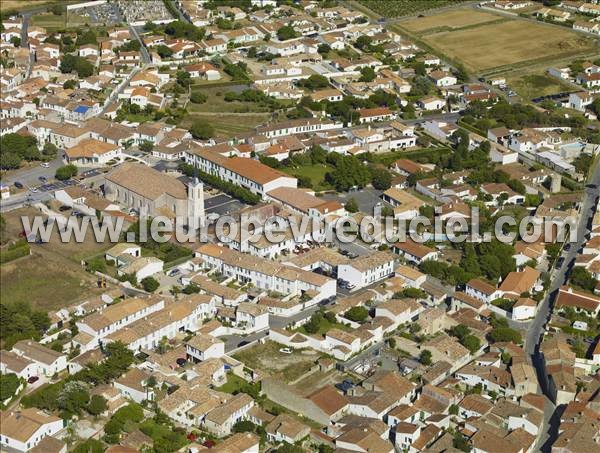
x: 11, y: 362
x: 368, y: 269
x: 132, y: 385
x: 111, y: 319
x: 482, y: 291
x: 49, y: 361
x: 24, y: 429
x: 203, y: 347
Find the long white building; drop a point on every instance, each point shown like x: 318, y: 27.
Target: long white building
x: 267, y: 275
x: 241, y: 171
x: 115, y: 317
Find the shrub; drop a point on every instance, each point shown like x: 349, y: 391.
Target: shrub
x: 66, y: 172
x: 198, y: 98
x: 150, y: 284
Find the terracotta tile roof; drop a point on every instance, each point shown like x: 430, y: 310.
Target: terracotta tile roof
x: 567, y: 297
x: 520, y: 282
x: 328, y: 400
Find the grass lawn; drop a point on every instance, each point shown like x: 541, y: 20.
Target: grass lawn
x: 234, y: 384
x: 53, y: 22
x: 500, y: 44
x: 530, y: 86
x: 316, y: 173
x: 267, y: 358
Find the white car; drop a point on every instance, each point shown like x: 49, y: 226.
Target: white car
x: 45, y: 165
x: 285, y: 350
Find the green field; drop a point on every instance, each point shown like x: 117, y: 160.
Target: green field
x: 316, y: 173
x: 397, y: 8
x: 530, y: 86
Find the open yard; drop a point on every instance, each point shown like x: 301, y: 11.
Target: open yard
x: 449, y: 20
x: 316, y: 173
x: 511, y: 42
x: 53, y: 22
x: 530, y: 86
x: 51, y: 277
x: 227, y: 124
x: 268, y: 359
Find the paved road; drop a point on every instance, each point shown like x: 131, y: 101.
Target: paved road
x: 536, y: 329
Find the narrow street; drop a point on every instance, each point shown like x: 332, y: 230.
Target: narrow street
x: 535, y: 333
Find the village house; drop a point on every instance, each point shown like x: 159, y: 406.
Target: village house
x: 413, y: 252
x: 48, y: 361
x: 24, y: 429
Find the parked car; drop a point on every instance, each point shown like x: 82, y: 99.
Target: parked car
x: 45, y: 165
x: 32, y: 379
x: 18, y: 185
x: 285, y: 350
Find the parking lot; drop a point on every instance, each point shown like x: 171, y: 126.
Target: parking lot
x: 366, y: 198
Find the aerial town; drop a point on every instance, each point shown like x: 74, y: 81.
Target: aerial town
x: 367, y: 135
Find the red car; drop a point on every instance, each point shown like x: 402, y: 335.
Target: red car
x: 32, y: 379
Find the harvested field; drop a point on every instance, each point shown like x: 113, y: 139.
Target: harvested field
x: 449, y: 20
x: 506, y: 43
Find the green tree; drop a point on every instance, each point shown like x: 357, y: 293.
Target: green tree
x: 97, y: 405
x: 163, y: 51
x: 472, y: 343
x: 502, y: 334
x: 367, y: 74
x: 89, y: 446
x: 351, y: 205
x: 70, y: 84
x: 146, y: 146
x: 425, y: 357
x: 150, y: 284
x: 49, y: 150
x: 244, y: 426
x: 8, y: 385
x: 183, y: 78
x: 357, y: 314
x: 381, y: 178
x: 66, y: 172
x: 202, y: 130
x: 583, y: 278
x: 15, y: 41
x: 198, y: 97
x: 324, y: 49
x: 286, y: 32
